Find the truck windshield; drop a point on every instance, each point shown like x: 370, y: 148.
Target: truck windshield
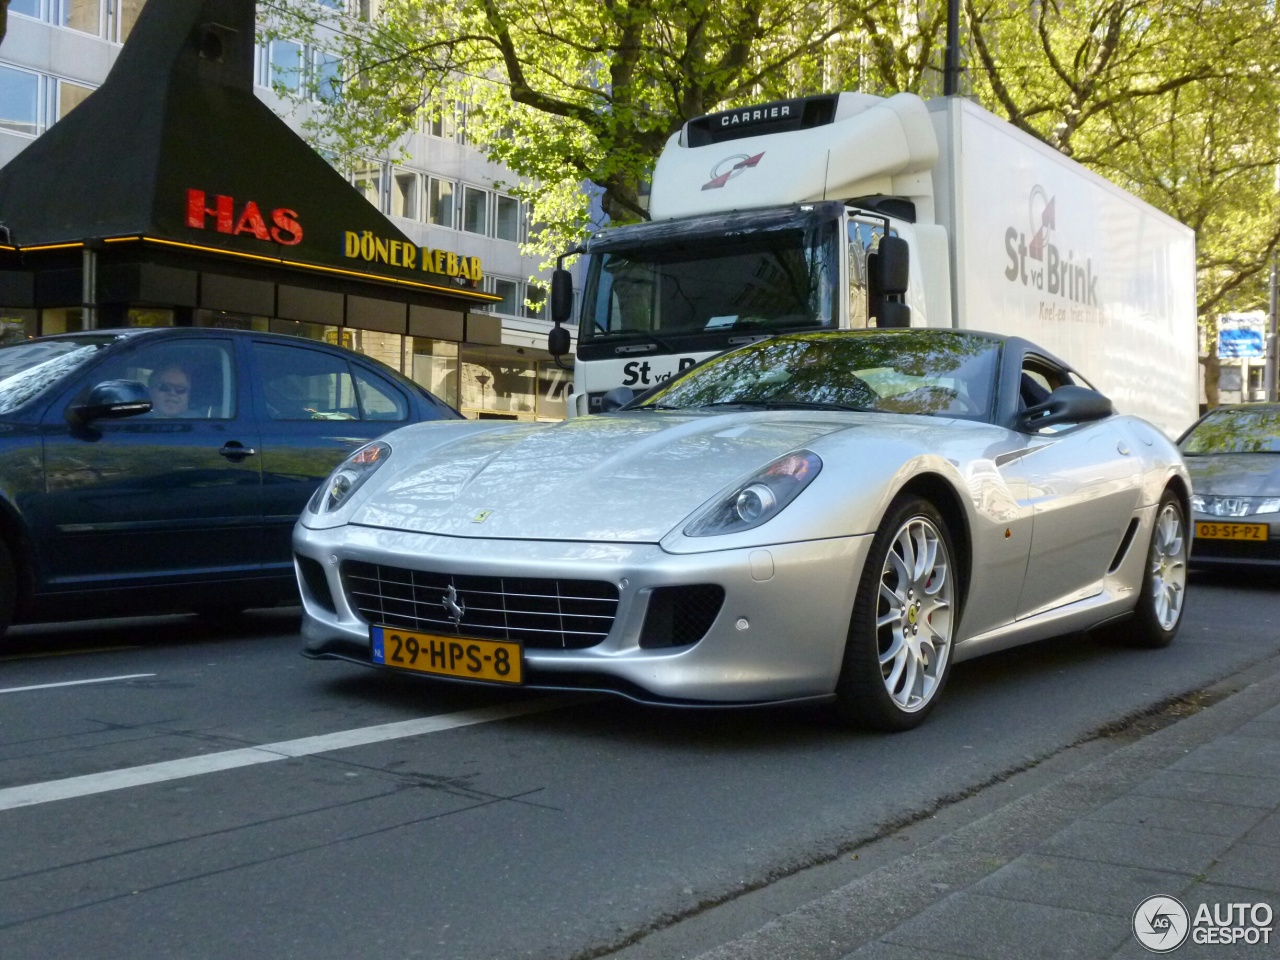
x: 767, y: 280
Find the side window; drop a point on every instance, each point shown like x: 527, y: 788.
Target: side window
x: 1039, y: 379
x: 303, y: 384
x: 378, y: 399
x: 187, y: 379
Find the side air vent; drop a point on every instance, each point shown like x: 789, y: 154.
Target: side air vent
x: 1124, y: 546
x: 680, y: 616
x: 316, y: 582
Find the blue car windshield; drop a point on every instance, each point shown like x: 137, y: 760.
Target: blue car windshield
x: 1235, y: 430
x: 28, y: 368
x: 929, y: 372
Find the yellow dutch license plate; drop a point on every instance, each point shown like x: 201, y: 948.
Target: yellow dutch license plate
x: 1231, y: 531
x: 495, y: 660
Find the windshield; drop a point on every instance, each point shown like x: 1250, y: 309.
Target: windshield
x: 1235, y: 431
x: 27, y: 368
x: 932, y: 372
x: 782, y: 279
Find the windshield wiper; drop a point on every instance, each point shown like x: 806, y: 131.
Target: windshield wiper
x: 788, y: 405
x: 614, y: 336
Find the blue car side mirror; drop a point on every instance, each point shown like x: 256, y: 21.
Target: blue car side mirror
x: 111, y: 400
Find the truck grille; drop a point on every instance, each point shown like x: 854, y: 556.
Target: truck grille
x: 539, y: 613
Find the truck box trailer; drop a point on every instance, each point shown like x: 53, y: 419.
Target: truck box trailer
x: 774, y: 219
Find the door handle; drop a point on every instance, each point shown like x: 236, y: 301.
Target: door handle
x: 234, y: 450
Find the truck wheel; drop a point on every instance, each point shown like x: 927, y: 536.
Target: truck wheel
x: 898, y: 654
x: 1158, y: 613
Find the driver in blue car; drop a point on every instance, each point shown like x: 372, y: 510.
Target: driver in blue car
x: 171, y: 392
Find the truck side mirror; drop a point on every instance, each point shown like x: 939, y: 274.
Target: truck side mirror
x: 892, y: 265
x: 558, y: 342
x: 561, y: 295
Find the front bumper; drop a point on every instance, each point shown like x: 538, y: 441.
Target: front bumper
x: 779, y: 636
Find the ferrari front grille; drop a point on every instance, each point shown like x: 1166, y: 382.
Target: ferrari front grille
x: 539, y: 613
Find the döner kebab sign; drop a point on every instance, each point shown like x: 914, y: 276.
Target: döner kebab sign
x: 225, y: 215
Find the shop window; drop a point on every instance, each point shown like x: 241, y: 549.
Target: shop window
x: 83, y: 15
x: 61, y: 320
x: 497, y: 386
x: 506, y: 224
x: 19, y: 101
x: 70, y: 96
x: 140, y: 317
x: 440, y: 208
x: 507, y: 290
x: 302, y: 384
x: 554, y: 385
x: 404, y: 194
x: 284, y: 58
x: 475, y: 210
x: 308, y: 331
x: 368, y: 180
x: 230, y: 321
x: 380, y: 345
x: 434, y: 365
x: 16, y: 324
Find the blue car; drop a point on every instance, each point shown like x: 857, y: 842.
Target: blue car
x: 162, y: 470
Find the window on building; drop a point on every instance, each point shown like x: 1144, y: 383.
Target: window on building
x: 535, y: 301
x: 508, y: 291
x: 475, y: 210
x: 29, y: 8
x: 328, y: 76
x: 126, y: 14
x: 434, y: 365
x: 368, y: 180
x: 443, y: 123
x: 70, y: 96
x: 506, y: 224
x: 83, y: 15
x: 404, y: 194
x: 440, y: 208
x: 19, y: 101
x: 16, y: 324
x: 369, y: 9
x: 284, y: 58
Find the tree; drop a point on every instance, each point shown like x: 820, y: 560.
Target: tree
x: 4, y: 19
x: 582, y: 90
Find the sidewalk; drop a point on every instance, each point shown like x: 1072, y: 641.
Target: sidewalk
x: 1191, y: 811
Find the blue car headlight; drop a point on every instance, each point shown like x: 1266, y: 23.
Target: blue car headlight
x: 348, y: 478
x: 758, y: 499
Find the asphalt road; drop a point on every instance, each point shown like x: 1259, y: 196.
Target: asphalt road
x: 218, y: 813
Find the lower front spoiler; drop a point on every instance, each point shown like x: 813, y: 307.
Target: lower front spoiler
x: 353, y: 651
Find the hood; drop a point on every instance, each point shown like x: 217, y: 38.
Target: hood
x: 627, y: 477
x: 1235, y: 474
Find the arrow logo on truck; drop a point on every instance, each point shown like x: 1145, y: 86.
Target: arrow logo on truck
x: 740, y: 163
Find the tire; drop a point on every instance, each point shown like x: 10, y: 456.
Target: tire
x: 8, y: 588
x: 1162, y: 599
x: 892, y: 676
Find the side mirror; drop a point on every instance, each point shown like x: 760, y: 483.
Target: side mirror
x: 561, y: 295
x: 558, y: 342
x: 111, y: 400
x: 615, y: 398
x: 893, y: 266
x: 1067, y: 404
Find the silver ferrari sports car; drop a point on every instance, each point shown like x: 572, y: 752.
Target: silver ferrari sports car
x: 830, y: 516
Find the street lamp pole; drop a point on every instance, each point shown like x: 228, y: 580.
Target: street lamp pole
x: 1273, y: 314
x: 951, y: 66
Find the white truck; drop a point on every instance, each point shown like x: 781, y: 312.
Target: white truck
x: 773, y: 219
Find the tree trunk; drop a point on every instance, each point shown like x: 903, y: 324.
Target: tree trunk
x: 4, y: 18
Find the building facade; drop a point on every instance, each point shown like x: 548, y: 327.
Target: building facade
x: 443, y: 195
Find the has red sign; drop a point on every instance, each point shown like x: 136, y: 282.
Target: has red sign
x: 284, y: 228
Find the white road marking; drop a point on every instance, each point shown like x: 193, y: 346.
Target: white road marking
x: 75, y: 683
x: 51, y: 790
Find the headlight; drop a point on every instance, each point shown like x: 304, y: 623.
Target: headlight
x: 346, y: 480
x: 1197, y: 503
x: 1269, y: 506
x: 759, y: 499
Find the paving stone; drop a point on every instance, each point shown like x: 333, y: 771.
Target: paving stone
x: 1238, y: 756
x: 1192, y: 785
x: 1266, y: 833
x: 1079, y: 884
x: 1260, y: 728
x: 892, y: 951
x: 1193, y: 816
x: 1176, y: 851
x: 993, y: 928
x: 1249, y: 866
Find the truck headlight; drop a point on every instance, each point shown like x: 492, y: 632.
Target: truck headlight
x: 759, y: 498
x: 348, y: 478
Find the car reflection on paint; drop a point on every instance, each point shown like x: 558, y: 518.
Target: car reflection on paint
x: 111, y: 503
x: 814, y: 517
x: 1233, y: 454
